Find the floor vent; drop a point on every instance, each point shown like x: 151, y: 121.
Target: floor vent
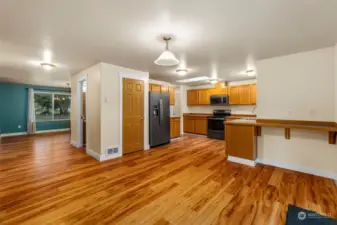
x: 111, y: 151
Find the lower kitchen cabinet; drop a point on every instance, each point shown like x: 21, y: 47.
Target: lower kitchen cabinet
x: 175, y: 127
x: 195, y: 124
x: 200, y: 126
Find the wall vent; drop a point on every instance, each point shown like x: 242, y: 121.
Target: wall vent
x: 111, y: 151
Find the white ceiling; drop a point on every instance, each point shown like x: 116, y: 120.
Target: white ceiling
x: 209, y: 37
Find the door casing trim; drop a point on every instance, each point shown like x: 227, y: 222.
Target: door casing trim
x: 146, y: 108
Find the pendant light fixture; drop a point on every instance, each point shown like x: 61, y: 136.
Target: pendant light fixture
x: 167, y: 58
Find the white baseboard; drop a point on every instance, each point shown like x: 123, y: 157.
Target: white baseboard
x: 74, y: 143
x: 51, y: 131
x: 14, y: 134
x: 94, y: 154
x: 102, y: 157
x: 308, y: 170
x: 241, y: 161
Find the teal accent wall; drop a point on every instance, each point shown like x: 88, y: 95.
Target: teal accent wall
x: 14, y: 108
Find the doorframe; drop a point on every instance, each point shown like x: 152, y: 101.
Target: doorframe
x: 146, y: 108
x: 79, y: 106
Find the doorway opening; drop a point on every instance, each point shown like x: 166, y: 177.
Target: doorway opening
x: 82, y: 103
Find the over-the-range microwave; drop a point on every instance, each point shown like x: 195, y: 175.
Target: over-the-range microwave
x: 219, y: 100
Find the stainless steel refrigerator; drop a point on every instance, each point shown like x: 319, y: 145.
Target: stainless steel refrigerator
x: 159, y: 104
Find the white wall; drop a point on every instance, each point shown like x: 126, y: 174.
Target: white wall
x: 298, y: 87
x: 335, y: 83
x: 94, y: 107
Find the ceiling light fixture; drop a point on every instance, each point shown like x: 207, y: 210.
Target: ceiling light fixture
x: 47, y: 66
x: 167, y: 58
x: 250, y: 72
x: 181, y: 72
x: 194, y: 79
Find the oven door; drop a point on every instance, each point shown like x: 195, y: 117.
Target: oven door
x: 216, y: 124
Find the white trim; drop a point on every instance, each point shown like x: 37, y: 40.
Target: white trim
x: 241, y: 161
x: 14, y: 134
x: 52, y: 131
x: 308, y: 170
x: 73, y: 143
x: 146, y: 108
x: 93, y: 154
x: 102, y: 157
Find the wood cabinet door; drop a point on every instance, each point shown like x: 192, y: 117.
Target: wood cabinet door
x: 155, y: 87
x: 172, y: 128
x: 213, y: 91
x: 200, y: 126
x: 234, y: 95
x: 222, y: 91
x: 192, y: 97
x: 244, y: 93
x: 164, y: 88
x: 253, y: 94
x: 172, y: 91
x: 177, y: 128
x: 203, y: 97
x: 188, y: 125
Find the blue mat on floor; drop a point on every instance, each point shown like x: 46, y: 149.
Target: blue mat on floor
x: 299, y: 216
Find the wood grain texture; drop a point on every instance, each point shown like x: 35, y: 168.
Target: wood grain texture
x: 46, y: 181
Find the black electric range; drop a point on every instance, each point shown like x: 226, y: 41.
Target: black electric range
x: 216, y: 126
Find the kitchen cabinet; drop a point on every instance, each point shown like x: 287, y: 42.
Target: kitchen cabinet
x: 238, y: 95
x: 195, y: 124
x: 200, y: 126
x: 175, y: 127
x: 234, y: 95
x: 244, y: 94
x: 189, y: 125
x: 164, y: 88
x: 203, y: 97
x: 192, y: 97
x: 253, y: 94
x: 172, y: 91
x: 154, y: 87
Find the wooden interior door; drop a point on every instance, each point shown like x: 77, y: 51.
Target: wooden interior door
x: 84, y: 119
x: 133, y: 115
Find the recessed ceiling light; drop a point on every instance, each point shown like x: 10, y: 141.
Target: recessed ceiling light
x: 47, y: 66
x: 181, y: 72
x: 167, y: 58
x: 194, y: 79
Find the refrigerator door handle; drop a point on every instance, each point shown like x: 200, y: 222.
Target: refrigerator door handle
x: 161, y: 110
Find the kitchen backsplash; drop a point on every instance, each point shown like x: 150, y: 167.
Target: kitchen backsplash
x: 235, y: 109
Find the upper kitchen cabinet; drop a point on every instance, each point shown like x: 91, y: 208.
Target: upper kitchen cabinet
x: 253, y: 94
x: 154, y: 87
x: 222, y: 91
x: 244, y: 94
x: 234, y: 95
x: 192, y: 97
x: 203, y: 97
x: 172, y: 91
x: 164, y: 88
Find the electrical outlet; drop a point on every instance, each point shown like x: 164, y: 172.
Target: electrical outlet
x: 19, y: 126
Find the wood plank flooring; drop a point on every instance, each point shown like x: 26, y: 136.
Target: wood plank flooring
x: 43, y: 180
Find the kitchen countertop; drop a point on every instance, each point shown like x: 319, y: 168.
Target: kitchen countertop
x: 175, y: 117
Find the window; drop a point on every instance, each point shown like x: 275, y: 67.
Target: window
x: 51, y: 106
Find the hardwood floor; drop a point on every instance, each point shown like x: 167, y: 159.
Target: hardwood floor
x: 46, y: 181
